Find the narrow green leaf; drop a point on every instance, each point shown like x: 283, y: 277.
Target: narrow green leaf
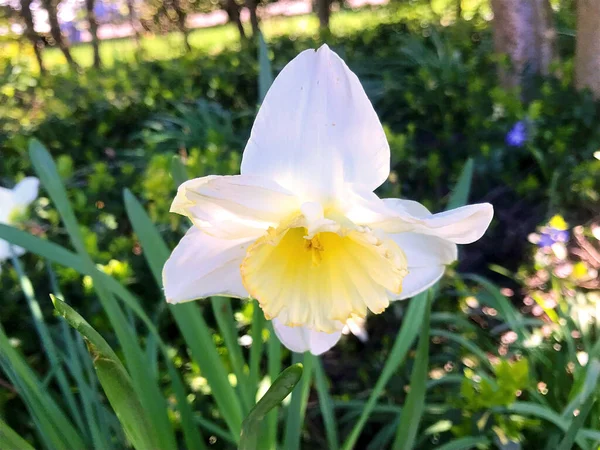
x: 577, y: 424
x: 178, y: 172
x: 592, y: 376
x: 146, y: 386
x: 465, y: 443
x: 10, y: 440
x: 60, y: 255
x: 224, y: 315
x: 48, y: 343
x: 51, y: 421
x: 541, y: 412
x: 326, y: 405
x: 265, y: 74
x: 279, y: 390
x: 115, y: 381
x: 410, y: 417
x: 505, y: 308
x: 256, y: 351
x: 297, y: 406
x: 460, y: 193
x: 466, y: 343
x: 189, y: 320
x: 273, y: 367
x: 404, y: 339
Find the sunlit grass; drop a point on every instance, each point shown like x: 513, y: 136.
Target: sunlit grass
x: 211, y: 40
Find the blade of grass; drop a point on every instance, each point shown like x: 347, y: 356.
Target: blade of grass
x: 297, y: 406
x: 410, y: 417
x: 10, y: 439
x: 404, y: 339
x: 326, y: 405
x: 279, y: 390
x: 146, y: 387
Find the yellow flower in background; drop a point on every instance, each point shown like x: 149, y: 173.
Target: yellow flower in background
x: 13, y: 203
x: 301, y: 230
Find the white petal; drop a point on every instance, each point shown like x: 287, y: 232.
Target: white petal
x: 302, y: 339
x: 461, y: 225
x: 26, y: 191
x: 234, y: 206
x: 427, y: 257
x: 317, y: 129
x: 202, y: 265
x: 6, y: 204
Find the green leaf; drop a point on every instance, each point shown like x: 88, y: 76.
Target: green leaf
x: 265, y: 74
x: 189, y: 319
x: 51, y: 422
x: 273, y: 368
x: 465, y: 443
x: 460, y: 194
x: 221, y: 307
x: 48, y: 343
x: 279, y: 390
x: 178, y: 171
x: 584, y: 401
x: 408, y: 332
x: 467, y: 344
x: 326, y: 405
x: 115, y: 381
x: 256, y: 351
x: 146, y: 386
x: 10, y: 440
x: 541, y: 412
x: 410, y: 417
x: 297, y: 406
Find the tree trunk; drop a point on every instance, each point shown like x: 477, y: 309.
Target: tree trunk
x: 91, y: 16
x: 34, y: 38
x: 62, y: 43
x: 181, y: 16
x: 133, y: 23
x: 251, y: 5
x: 323, y: 12
x: 233, y: 12
x: 524, y: 32
x: 587, y: 52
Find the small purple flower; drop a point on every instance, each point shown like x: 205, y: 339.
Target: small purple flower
x: 550, y: 236
x: 517, y: 136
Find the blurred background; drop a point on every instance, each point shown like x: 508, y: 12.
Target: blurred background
x: 116, y: 88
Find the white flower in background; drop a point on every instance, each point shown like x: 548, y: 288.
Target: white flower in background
x: 13, y: 203
x: 300, y: 230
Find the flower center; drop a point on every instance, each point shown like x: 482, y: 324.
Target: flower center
x: 321, y: 281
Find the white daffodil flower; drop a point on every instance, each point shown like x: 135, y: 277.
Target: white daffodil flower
x: 301, y: 230
x: 13, y: 203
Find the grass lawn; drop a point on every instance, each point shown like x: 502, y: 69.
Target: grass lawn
x: 210, y: 40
